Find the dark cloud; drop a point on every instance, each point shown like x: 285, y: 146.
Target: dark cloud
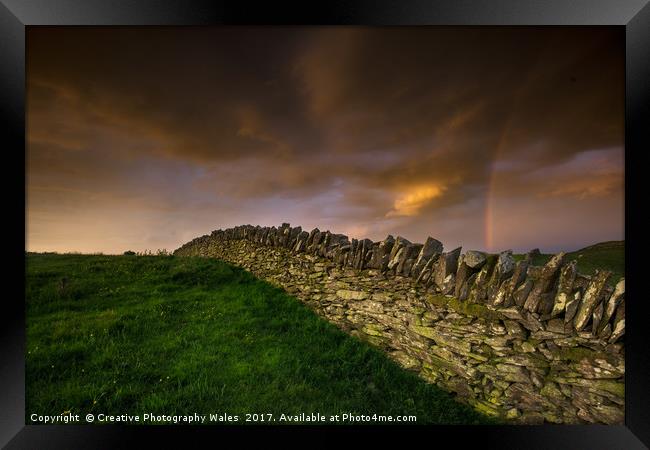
x: 440, y: 131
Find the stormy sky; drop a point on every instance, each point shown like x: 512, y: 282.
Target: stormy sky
x: 491, y: 138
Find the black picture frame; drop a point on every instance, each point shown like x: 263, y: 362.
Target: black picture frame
x: 633, y: 15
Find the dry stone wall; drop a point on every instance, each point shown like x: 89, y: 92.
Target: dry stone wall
x: 526, y: 343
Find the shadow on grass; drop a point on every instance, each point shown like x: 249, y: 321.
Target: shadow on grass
x: 167, y: 335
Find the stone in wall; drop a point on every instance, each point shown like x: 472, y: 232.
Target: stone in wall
x: 475, y: 259
x: 543, y: 285
x: 618, y: 327
x: 363, y: 250
x: 315, y: 241
x: 512, y: 285
x: 310, y: 239
x: 408, y: 258
x: 497, y: 285
x: 612, y: 303
x: 432, y: 248
x: 301, y: 242
x: 478, y: 293
x: 463, y: 273
x: 293, y: 237
x: 444, y: 273
x: 381, y: 255
x: 398, y: 253
x: 592, y: 296
x: 565, y: 288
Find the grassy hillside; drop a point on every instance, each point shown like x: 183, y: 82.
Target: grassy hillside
x: 605, y: 255
x: 166, y: 335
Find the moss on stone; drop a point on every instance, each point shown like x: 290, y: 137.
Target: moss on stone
x: 577, y: 354
x: 417, y: 310
x: 425, y: 331
x: 373, y: 330
x: 488, y: 351
x: 487, y: 408
x: 611, y: 386
x: 465, y: 308
x: 434, y: 364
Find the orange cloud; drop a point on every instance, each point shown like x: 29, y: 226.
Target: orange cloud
x: 410, y: 203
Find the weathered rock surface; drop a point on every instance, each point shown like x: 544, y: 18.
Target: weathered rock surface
x: 612, y: 303
x: 446, y: 265
x: 590, y: 299
x: 475, y: 259
x: 432, y: 248
x: 544, y: 282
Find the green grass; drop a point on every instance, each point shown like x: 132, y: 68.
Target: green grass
x: 167, y: 335
x: 605, y: 256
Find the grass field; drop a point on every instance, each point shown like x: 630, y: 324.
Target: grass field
x: 166, y: 335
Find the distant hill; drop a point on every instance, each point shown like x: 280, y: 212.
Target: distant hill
x: 608, y: 245
x: 605, y: 255
x: 608, y: 255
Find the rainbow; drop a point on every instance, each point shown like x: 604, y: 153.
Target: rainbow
x: 489, y: 202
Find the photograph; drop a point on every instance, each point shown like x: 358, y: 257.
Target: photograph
x: 325, y: 225
x: 413, y: 220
